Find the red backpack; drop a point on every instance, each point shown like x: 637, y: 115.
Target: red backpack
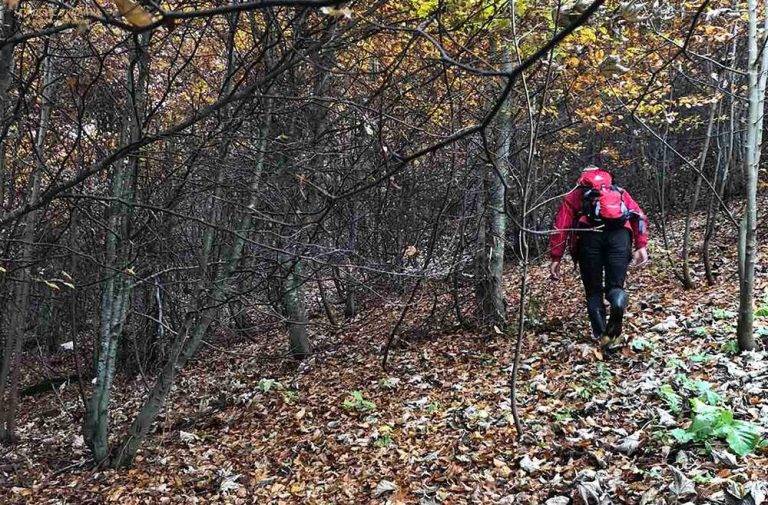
x: 602, y: 201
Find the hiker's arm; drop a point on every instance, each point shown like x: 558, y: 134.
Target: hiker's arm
x: 639, y: 223
x: 564, y: 219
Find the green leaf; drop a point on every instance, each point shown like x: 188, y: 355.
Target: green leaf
x: 641, y: 344
x: 681, y: 435
x: 701, y: 331
x: 265, y: 385
x: 743, y: 437
x: 707, y: 393
x: 674, y: 363
x: 730, y: 347
x: 711, y: 422
x: 355, y: 401
x: 700, y: 357
x: 705, y: 421
x: 673, y: 400
x: 685, y: 382
x: 720, y: 314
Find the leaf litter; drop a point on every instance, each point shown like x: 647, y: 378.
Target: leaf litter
x: 437, y: 426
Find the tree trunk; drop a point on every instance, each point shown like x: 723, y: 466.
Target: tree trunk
x: 8, y: 27
x: 117, y: 286
x: 492, y: 305
x: 748, y: 233
x: 9, y: 369
x: 293, y: 306
x: 687, y: 281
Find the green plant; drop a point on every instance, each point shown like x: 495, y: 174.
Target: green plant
x: 604, y: 373
x: 389, y: 383
x: 563, y: 415
x: 384, y: 437
x: 433, y: 407
x: 762, y: 311
x: 290, y: 396
x: 535, y: 311
x: 661, y: 436
x: 685, y: 382
x: 700, y: 357
x: 674, y: 363
x: 641, y: 344
x: 701, y: 331
x: 721, y: 314
x: 730, y: 347
x: 702, y: 388
x: 705, y: 391
x: 673, y: 400
x: 710, y: 422
x: 702, y: 478
x: 598, y: 385
x: 355, y: 401
x: 266, y: 385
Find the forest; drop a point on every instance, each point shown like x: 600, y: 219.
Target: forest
x: 329, y: 251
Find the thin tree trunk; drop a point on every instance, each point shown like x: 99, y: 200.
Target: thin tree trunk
x: 9, y: 370
x: 687, y: 281
x: 748, y: 235
x: 294, y: 310
x: 350, y: 284
x: 7, y: 29
x: 720, y: 191
x: 492, y: 304
x: 327, y: 307
x: 117, y: 286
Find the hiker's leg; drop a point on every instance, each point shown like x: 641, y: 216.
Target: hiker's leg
x: 591, y: 270
x: 618, y: 245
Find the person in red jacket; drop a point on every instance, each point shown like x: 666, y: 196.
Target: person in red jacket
x: 604, y: 228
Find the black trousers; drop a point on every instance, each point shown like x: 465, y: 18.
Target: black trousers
x: 602, y: 254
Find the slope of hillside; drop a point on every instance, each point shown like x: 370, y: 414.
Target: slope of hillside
x: 437, y: 427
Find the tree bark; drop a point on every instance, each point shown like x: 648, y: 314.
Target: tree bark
x: 492, y: 304
x: 758, y: 64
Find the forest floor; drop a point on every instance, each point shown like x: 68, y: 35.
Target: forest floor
x: 437, y: 426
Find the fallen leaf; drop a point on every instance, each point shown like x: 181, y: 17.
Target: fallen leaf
x: 630, y: 444
x: 383, y: 487
x: 682, y: 485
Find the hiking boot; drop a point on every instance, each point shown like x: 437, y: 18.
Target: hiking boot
x: 618, y: 300
x: 597, y: 321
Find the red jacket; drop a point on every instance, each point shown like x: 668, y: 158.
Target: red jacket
x: 570, y: 216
